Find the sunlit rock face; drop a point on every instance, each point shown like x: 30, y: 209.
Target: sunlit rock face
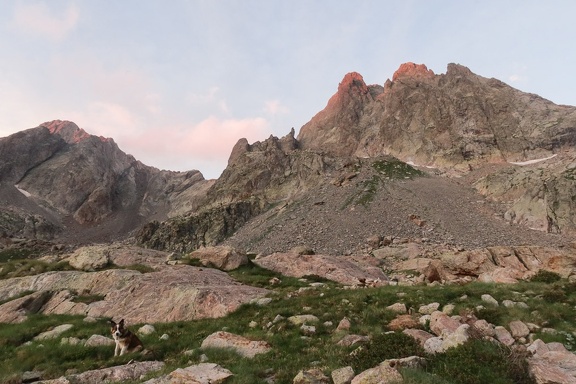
x: 452, y: 120
x: 412, y: 71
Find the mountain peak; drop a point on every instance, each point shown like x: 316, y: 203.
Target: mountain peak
x: 412, y: 70
x: 352, y: 80
x: 68, y: 130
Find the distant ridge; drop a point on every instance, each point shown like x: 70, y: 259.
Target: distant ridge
x: 510, y: 149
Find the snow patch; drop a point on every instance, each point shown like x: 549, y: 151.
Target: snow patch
x: 533, y: 161
x: 25, y: 193
x: 413, y: 164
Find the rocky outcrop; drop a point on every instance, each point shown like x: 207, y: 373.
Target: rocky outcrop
x: 118, y: 374
x: 492, y: 264
x: 339, y: 269
x: 257, y: 177
x: 171, y: 293
x: 186, y: 233
x: 538, y: 195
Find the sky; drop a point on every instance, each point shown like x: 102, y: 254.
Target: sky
x: 177, y: 83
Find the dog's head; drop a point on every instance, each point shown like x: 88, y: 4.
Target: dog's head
x: 117, y: 329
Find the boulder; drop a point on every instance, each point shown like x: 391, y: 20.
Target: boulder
x: 99, y: 340
x: 419, y: 335
x: 342, y: 375
x: 349, y: 340
x: 90, y: 258
x: 117, y: 374
x: 503, y: 336
x: 203, y: 373
x: 221, y: 257
x: 311, y: 376
x: 54, y: 333
x: 344, y: 324
x: 518, y: 329
x: 484, y: 327
x: 488, y: 299
x: 553, y: 367
x: 441, y: 323
x: 303, y: 319
x: 382, y: 374
x: 241, y: 345
x: 17, y: 310
x: 397, y: 308
x: 402, y: 322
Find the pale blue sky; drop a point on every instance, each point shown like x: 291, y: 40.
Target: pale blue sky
x: 176, y: 83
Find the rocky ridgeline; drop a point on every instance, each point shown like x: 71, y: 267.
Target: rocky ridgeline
x: 515, y: 149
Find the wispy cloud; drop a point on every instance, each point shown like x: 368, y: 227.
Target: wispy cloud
x: 274, y: 107
x: 211, y: 138
x: 210, y: 97
x: 107, y: 119
x: 40, y: 20
x: 515, y: 78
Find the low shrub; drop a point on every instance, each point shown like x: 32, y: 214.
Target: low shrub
x: 543, y: 276
x: 142, y: 268
x: 382, y: 347
x: 479, y: 362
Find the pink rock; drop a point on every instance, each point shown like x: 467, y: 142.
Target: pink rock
x: 221, y: 257
x: 518, y: 329
x: 419, y: 335
x: 412, y: 70
x: 503, y: 336
x: 440, y: 323
x: 380, y: 374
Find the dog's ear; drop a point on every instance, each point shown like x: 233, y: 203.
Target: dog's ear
x: 121, y: 323
x: 112, y: 323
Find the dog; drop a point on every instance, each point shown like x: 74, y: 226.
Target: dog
x: 126, y: 341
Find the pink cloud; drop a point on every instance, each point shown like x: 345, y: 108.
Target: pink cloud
x: 106, y: 119
x: 211, y: 139
x: 205, y: 146
x: 38, y: 19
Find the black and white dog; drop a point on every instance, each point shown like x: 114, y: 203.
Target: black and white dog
x: 126, y: 341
